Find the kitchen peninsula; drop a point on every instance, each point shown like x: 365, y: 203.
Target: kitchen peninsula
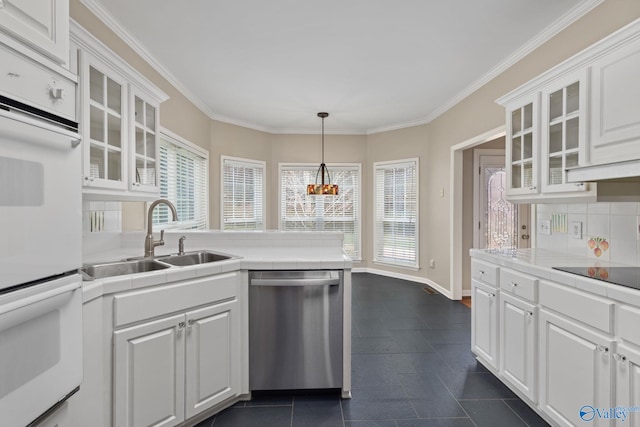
x: 147, y: 335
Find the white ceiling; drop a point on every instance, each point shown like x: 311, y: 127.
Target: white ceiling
x: 372, y: 64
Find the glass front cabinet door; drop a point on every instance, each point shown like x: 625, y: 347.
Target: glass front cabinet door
x: 145, y: 138
x: 120, y: 121
x: 103, y: 119
x: 564, y: 132
x: 521, y: 146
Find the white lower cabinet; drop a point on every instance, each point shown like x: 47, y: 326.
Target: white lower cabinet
x: 149, y: 373
x: 171, y: 368
x: 484, y: 322
x: 212, y: 356
x: 518, y: 325
x: 627, y: 369
x: 575, y: 371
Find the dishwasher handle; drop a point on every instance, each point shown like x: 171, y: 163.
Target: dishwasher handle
x: 296, y: 282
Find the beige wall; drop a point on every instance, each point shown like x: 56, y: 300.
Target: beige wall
x: 177, y: 114
x: 479, y: 113
x: 397, y: 145
x: 431, y: 143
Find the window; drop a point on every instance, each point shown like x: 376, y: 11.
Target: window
x: 301, y: 212
x: 183, y: 180
x: 242, y: 194
x: 396, y: 213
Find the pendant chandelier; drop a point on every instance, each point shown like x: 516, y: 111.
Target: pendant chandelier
x: 323, y: 189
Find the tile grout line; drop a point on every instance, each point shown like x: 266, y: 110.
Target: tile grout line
x: 517, y: 415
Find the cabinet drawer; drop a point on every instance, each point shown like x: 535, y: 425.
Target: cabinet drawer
x: 484, y: 272
x: 627, y: 324
x: 134, y: 306
x: 519, y: 284
x: 589, y: 309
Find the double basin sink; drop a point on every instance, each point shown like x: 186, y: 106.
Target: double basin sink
x: 143, y: 265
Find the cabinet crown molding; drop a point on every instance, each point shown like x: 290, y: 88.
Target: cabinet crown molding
x: 616, y: 40
x: 87, y: 41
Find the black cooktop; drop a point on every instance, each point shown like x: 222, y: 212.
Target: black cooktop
x: 625, y: 276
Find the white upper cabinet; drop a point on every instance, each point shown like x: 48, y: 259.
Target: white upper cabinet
x: 615, y: 106
x: 522, y: 158
x: 103, y: 121
x: 119, y: 120
x: 145, y: 142
x: 564, y: 133
x: 587, y: 112
x: 42, y: 26
x: 545, y: 136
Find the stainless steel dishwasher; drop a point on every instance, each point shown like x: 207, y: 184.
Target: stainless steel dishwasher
x: 295, y: 329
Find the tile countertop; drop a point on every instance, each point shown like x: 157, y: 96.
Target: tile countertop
x: 251, y: 251
x: 539, y: 262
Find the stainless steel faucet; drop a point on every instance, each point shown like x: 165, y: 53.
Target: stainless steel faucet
x: 181, y: 245
x: 149, y: 243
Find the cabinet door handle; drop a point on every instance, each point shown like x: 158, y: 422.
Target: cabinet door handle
x: 481, y: 272
x: 191, y: 322
x: 492, y: 295
x: 181, y: 326
x: 532, y: 188
x: 513, y: 284
x: 603, y: 348
x: 620, y: 357
x: 530, y: 313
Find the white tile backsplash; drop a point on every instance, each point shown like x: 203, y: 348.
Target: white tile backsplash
x: 598, y: 208
x: 614, y: 223
x: 99, y: 216
x: 598, y: 226
x: 624, y: 208
x: 577, y: 208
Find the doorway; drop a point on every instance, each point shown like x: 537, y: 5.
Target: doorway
x: 498, y: 223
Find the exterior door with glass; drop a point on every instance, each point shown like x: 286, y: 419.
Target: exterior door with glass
x: 499, y: 224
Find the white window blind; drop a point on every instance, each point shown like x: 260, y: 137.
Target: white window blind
x: 301, y: 212
x: 396, y: 213
x: 183, y: 181
x: 242, y: 194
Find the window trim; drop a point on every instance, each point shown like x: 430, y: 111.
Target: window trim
x: 185, y: 144
x: 263, y: 190
x: 387, y: 164
x: 308, y: 165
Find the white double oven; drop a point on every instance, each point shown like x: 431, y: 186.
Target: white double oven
x: 40, y: 241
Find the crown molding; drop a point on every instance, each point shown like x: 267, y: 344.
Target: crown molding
x: 82, y: 38
x: 560, y: 24
x: 101, y: 13
x: 556, y: 27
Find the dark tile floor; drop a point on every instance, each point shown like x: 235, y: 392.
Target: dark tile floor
x: 412, y: 367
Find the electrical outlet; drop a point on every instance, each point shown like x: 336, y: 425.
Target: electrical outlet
x: 576, y: 229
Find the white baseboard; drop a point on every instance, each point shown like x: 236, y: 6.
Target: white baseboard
x: 410, y: 278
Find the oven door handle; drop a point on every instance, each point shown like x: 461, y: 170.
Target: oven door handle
x: 30, y: 130
x: 42, y: 301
